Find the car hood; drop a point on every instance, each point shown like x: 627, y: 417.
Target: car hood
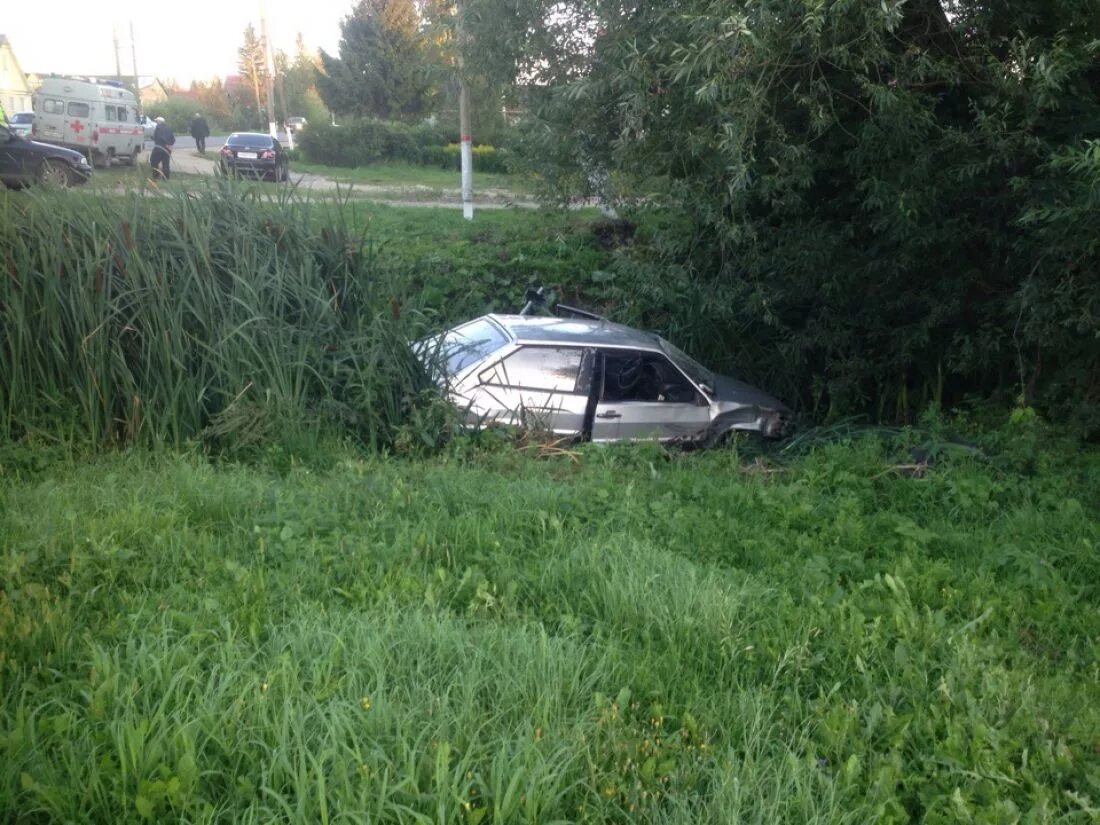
x: 731, y: 393
x: 53, y: 150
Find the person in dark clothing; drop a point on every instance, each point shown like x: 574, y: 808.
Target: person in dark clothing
x: 200, y: 132
x: 163, y: 141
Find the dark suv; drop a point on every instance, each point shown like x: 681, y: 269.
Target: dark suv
x: 23, y: 162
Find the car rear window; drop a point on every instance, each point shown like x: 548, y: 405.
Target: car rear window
x: 263, y: 141
x: 23, y: 117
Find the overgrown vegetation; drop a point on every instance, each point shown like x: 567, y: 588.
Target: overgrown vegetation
x: 208, y: 312
x: 879, y: 204
x: 613, y: 636
x: 363, y: 141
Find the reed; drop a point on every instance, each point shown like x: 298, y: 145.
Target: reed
x: 215, y: 312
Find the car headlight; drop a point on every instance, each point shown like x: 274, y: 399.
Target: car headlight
x: 83, y: 161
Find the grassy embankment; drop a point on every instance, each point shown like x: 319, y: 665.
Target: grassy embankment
x: 325, y: 634
x: 490, y: 637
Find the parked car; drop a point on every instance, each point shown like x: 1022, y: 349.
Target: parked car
x: 148, y: 126
x: 254, y: 153
x: 296, y: 124
x: 23, y: 162
x: 21, y: 123
x: 591, y: 379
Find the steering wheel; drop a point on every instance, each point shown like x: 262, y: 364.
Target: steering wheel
x: 628, y: 376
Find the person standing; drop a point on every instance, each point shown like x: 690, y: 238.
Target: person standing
x: 200, y: 131
x: 163, y: 141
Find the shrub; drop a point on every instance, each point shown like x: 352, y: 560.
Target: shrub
x: 361, y: 142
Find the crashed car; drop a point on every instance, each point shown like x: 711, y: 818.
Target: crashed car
x: 591, y: 379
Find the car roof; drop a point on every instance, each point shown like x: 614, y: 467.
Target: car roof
x: 547, y: 330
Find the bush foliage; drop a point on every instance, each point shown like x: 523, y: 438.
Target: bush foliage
x: 360, y: 142
x: 879, y: 204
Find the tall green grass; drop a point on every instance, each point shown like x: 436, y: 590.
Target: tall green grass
x: 622, y: 636
x: 158, y: 317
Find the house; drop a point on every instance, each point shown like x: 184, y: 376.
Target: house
x: 15, y: 90
x: 151, y: 92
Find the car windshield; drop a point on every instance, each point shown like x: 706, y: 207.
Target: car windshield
x: 468, y: 343
x: 695, y: 371
x: 263, y: 141
x: 23, y: 117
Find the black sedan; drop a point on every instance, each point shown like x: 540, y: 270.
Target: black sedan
x: 23, y: 162
x: 255, y: 154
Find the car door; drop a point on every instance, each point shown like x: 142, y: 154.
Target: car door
x: 13, y: 160
x: 535, y: 387
x: 644, y: 395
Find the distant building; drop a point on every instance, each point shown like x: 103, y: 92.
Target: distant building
x: 152, y: 90
x: 15, y: 89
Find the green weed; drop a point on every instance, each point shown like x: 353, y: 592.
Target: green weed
x: 627, y: 635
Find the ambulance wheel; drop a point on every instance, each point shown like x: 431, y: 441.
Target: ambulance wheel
x: 54, y: 175
x: 130, y: 159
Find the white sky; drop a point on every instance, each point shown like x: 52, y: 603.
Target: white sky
x: 183, y: 40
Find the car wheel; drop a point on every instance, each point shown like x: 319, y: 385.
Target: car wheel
x: 54, y: 174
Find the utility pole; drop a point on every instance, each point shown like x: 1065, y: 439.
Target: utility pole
x: 118, y: 60
x: 133, y: 55
x: 467, y: 152
x: 282, y: 105
x: 270, y: 71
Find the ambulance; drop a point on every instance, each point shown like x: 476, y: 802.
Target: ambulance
x: 102, y: 120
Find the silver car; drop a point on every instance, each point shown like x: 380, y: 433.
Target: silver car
x: 591, y: 379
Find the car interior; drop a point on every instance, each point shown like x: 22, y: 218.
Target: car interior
x: 644, y: 376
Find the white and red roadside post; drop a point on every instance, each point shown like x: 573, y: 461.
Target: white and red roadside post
x: 466, y: 141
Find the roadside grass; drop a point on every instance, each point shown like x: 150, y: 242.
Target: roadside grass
x: 135, y: 177
x: 610, y: 635
x: 408, y: 175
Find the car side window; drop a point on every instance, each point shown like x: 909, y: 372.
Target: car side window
x: 78, y: 109
x: 554, y: 369
x: 635, y: 375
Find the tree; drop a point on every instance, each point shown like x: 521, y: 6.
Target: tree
x: 297, y: 79
x: 213, y: 102
x: 252, y: 63
x: 382, y: 69
x: 879, y: 204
